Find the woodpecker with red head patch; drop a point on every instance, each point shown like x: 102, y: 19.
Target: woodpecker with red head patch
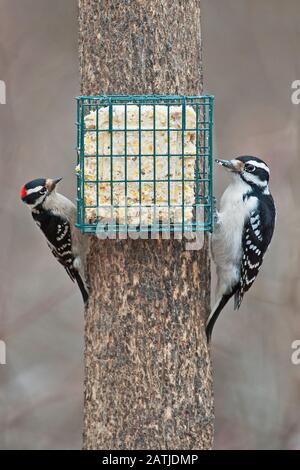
x: 55, y: 215
x: 243, y: 231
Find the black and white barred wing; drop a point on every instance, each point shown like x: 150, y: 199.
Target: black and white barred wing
x: 61, y: 247
x: 252, y: 258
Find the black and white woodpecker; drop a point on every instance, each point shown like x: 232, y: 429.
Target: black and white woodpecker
x: 243, y: 231
x: 56, y: 216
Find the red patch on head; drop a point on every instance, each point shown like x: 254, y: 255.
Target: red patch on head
x: 23, y: 192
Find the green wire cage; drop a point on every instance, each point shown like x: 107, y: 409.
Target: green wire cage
x: 144, y: 163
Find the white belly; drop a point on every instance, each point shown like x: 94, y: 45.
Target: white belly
x: 227, y: 236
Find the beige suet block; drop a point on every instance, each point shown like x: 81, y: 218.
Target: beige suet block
x: 150, y: 151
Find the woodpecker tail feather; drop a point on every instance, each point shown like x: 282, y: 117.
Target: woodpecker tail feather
x: 82, y: 287
x: 215, y: 313
x: 238, y: 297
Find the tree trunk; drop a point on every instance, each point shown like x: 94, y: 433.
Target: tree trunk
x: 148, y: 382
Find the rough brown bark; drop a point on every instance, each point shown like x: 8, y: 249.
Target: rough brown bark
x: 148, y: 378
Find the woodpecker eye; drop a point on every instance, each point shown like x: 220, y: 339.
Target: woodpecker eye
x: 43, y: 190
x: 250, y: 168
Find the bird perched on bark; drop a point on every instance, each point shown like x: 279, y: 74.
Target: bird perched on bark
x: 55, y: 215
x: 243, y: 231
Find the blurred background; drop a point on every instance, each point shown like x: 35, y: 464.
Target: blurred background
x: 251, y: 58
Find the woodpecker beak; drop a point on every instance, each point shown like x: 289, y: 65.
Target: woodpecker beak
x: 235, y: 166
x: 57, y: 180
x: 51, y: 184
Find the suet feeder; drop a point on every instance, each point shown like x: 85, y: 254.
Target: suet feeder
x: 144, y: 163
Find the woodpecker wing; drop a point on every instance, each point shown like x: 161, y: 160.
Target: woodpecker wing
x: 62, y: 250
x: 63, y: 253
x: 258, y: 232
x: 65, y: 257
x: 252, y: 257
x: 59, y: 238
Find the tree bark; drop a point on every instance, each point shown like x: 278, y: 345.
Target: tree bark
x: 148, y: 382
